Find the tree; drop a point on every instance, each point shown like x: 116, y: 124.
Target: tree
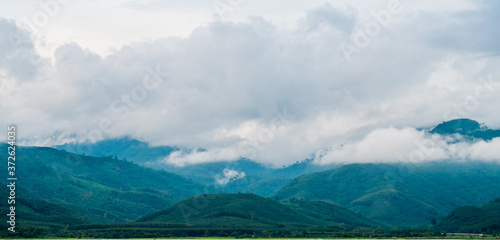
x: 433, y: 221
x: 79, y: 234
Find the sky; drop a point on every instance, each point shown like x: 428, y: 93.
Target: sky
x: 276, y: 82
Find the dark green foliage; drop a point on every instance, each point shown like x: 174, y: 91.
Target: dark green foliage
x: 398, y: 194
x: 470, y: 219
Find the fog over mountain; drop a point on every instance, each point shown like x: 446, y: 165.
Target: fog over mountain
x: 275, y: 83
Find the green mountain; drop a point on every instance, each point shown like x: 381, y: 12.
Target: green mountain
x: 104, y: 189
x: 470, y: 219
x: 466, y: 127
x: 398, y: 194
x: 254, y: 212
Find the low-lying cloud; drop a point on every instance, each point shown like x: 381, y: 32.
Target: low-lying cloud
x: 390, y: 145
x: 228, y: 176
x: 181, y: 158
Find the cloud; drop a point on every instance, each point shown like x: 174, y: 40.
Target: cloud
x: 221, y: 87
x: 181, y: 158
x: 228, y: 176
x: 157, y: 5
x: 452, y: 31
x: 390, y: 145
x: 19, y: 61
x: 327, y: 15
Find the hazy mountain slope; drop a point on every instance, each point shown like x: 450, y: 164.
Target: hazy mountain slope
x: 397, y: 194
x: 484, y: 219
x: 203, y: 173
x: 110, y: 172
x: 264, y: 187
x: 296, y: 169
x: 253, y: 211
x: 208, y: 173
x: 125, y: 147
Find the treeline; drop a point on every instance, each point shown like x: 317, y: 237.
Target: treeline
x: 166, y: 230
x: 146, y: 225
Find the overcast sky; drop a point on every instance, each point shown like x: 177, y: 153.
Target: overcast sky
x: 274, y: 81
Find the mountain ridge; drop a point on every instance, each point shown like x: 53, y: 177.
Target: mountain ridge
x: 238, y: 210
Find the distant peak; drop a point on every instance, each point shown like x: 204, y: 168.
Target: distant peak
x: 466, y: 127
x: 462, y: 126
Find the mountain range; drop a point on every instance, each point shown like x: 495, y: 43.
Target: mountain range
x: 398, y: 194
x: 97, y: 186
